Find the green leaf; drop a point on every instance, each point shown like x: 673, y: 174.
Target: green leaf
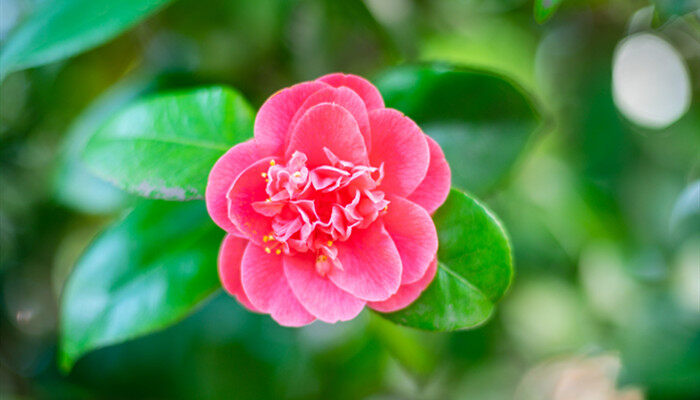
x: 544, y: 9
x: 64, y: 28
x: 74, y: 185
x: 475, y: 269
x: 164, y: 147
x: 141, y: 275
x: 481, y: 120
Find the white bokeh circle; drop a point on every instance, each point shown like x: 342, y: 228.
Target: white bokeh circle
x: 651, y: 85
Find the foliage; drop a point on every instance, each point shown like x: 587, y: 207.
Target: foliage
x: 69, y: 27
x: 103, y: 102
x: 126, y: 285
x: 164, y: 147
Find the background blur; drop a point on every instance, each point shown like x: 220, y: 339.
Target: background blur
x: 602, y: 206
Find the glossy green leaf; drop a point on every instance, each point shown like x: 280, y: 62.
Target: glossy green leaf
x: 475, y: 269
x: 74, y: 185
x: 143, y: 274
x: 482, y: 121
x: 164, y: 147
x: 64, y: 28
x: 544, y: 9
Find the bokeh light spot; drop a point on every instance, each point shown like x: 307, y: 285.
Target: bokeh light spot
x: 651, y: 86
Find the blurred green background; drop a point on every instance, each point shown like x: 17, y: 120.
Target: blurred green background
x: 602, y: 206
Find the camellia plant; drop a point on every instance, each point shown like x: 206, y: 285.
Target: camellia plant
x: 328, y: 200
x: 293, y: 199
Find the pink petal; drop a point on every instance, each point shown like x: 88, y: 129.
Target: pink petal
x: 249, y: 187
x: 414, y: 235
x: 371, y: 264
x: 230, y: 256
x: 398, y: 143
x: 328, y: 126
x: 221, y: 177
x: 272, y: 122
x: 433, y: 191
x: 407, y: 294
x: 361, y: 86
x: 318, y: 294
x: 344, y: 97
x: 266, y: 286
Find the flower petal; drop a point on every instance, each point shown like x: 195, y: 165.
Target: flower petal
x: 407, y: 294
x: 230, y: 256
x: 371, y: 264
x: 398, y: 143
x: 266, y: 286
x: 414, y: 235
x: 318, y: 294
x: 273, y: 118
x: 344, y: 97
x: 433, y: 191
x: 361, y: 86
x: 328, y: 126
x: 222, y: 176
x: 249, y: 187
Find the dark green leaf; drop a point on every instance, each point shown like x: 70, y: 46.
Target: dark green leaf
x: 474, y: 270
x: 544, y: 9
x: 481, y: 120
x: 141, y: 275
x: 63, y: 28
x: 164, y: 147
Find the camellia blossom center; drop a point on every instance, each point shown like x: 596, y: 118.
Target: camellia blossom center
x: 311, y: 208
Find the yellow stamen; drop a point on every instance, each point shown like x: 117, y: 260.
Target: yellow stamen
x: 265, y: 239
x: 322, y: 257
x: 278, y: 251
x: 330, y: 243
x: 267, y: 250
x: 267, y: 180
x: 268, y: 200
x: 264, y: 174
x: 297, y: 174
x: 272, y: 163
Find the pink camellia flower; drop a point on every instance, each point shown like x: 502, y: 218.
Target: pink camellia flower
x: 328, y: 208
